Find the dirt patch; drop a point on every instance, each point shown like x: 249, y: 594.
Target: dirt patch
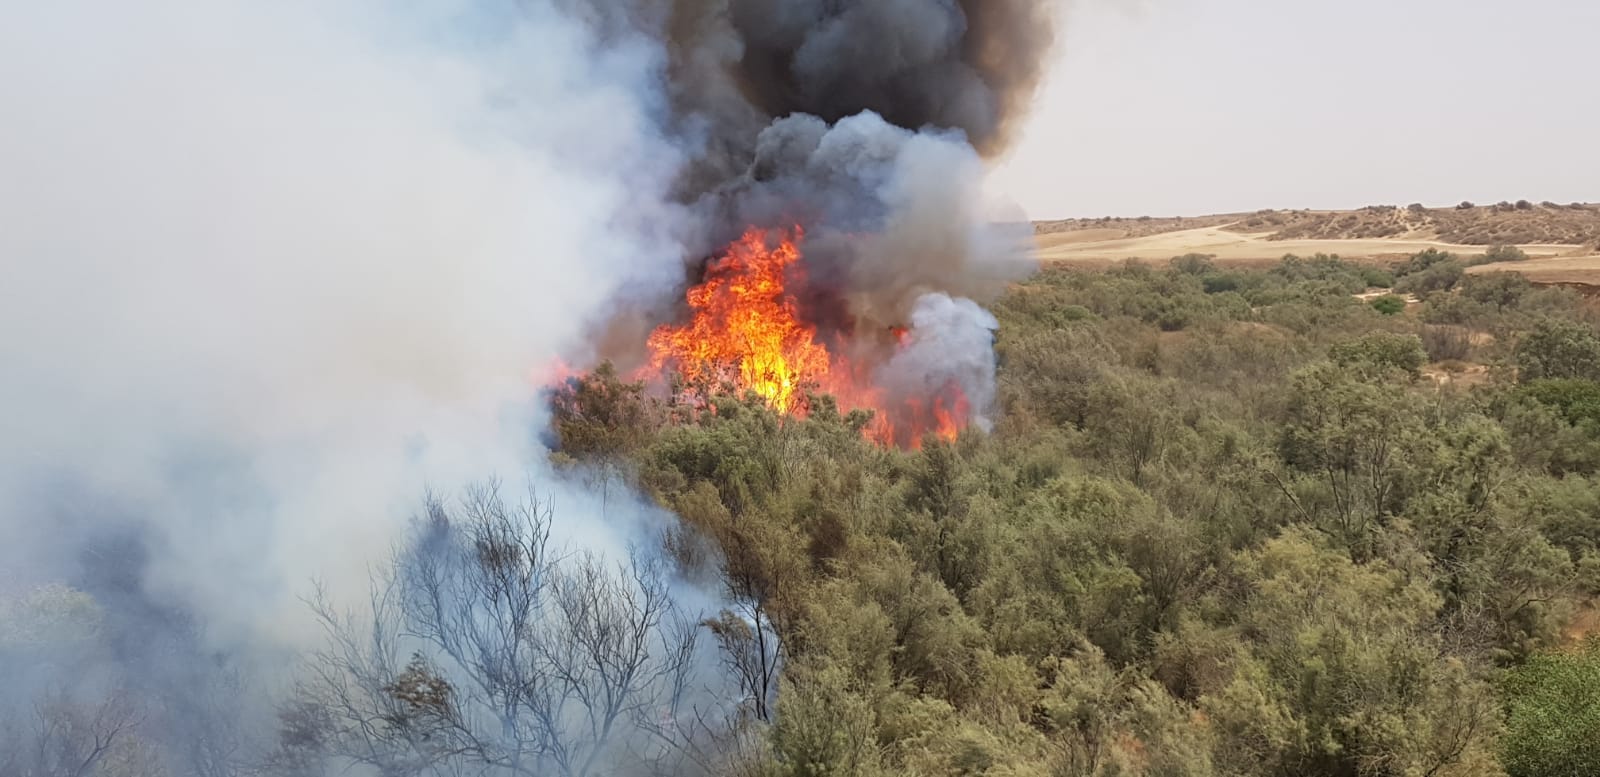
x: 1111, y: 228
x: 1584, y: 623
x: 1457, y: 374
x: 1079, y: 236
x: 1580, y: 269
x: 1372, y: 294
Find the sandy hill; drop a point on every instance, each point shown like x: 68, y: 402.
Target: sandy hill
x: 1562, y: 240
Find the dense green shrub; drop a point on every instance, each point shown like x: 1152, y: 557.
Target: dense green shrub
x: 1423, y: 260
x: 1575, y: 400
x: 1194, y: 264
x: 1502, y: 252
x: 1220, y: 526
x: 1499, y: 290
x: 1435, y: 277
x: 1379, y: 351
x: 1377, y: 277
x: 1553, y: 723
x: 1559, y: 349
x: 1389, y: 304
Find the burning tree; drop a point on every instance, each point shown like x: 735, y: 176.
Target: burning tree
x: 749, y: 331
x: 746, y: 329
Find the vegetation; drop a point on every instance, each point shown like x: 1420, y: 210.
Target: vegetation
x: 1389, y: 304
x: 1228, y: 522
x: 1501, y: 252
x: 1504, y: 223
x: 1553, y: 726
x: 1226, y: 525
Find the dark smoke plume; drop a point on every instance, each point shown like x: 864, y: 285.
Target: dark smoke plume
x: 865, y: 123
x: 734, y: 66
x: 969, y: 65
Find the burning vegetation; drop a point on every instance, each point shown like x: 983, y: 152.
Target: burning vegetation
x: 840, y: 197
x: 748, y: 331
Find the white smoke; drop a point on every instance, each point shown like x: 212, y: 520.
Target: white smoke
x: 270, y: 268
x: 950, y: 340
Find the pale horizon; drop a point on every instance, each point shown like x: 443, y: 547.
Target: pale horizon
x: 1195, y: 107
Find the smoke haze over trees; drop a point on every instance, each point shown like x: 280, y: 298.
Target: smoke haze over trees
x: 282, y: 282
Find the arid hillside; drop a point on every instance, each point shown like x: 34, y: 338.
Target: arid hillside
x: 1559, y: 240
x: 1468, y: 224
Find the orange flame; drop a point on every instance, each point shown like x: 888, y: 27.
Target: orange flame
x: 746, y: 326
x: 747, y: 332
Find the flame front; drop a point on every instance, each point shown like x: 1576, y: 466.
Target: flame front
x: 746, y: 326
x: 746, y: 331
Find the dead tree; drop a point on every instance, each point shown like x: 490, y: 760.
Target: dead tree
x: 69, y: 737
x: 488, y: 651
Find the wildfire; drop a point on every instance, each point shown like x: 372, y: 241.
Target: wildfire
x: 746, y: 326
x: 747, y: 332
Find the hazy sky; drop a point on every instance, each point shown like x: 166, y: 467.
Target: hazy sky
x: 1184, y: 107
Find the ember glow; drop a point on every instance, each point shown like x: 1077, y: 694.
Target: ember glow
x: 746, y: 332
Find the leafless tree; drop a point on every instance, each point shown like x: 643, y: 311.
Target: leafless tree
x: 486, y: 650
x: 69, y: 737
x: 752, y: 653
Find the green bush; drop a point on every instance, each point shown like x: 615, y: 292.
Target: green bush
x: 1573, y: 399
x: 1421, y: 261
x: 1322, y: 267
x: 1377, y: 277
x: 1498, y: 289
x: 1558, y: 349
x: 1553, y: 721
x: 1182, y: 553
x: 1193, y: 264
x: 1437, y: 278
x: 1389, y: 304
x: 1217, y: 283
x: 1501, y: 252
x: 1381, y: 350
x: 1456, y: 309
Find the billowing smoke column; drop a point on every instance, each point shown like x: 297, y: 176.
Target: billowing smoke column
x: 863, y: 123
x: 735, y: 65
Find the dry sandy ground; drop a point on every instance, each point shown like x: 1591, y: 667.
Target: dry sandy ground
x: 1092, y: 247
x: 1556, y: 269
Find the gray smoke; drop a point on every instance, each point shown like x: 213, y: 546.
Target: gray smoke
x: 967, y: 65
x: 895, y: 214
x: 958, y: 64
x: 950, y: 342
x: 734, y: 66
x: 269, y: 271
x: 265, y: 262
